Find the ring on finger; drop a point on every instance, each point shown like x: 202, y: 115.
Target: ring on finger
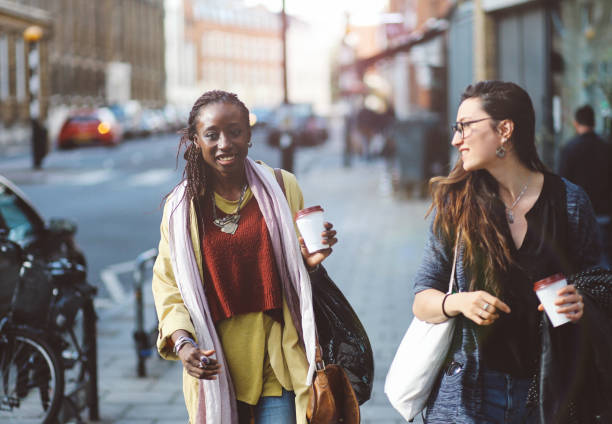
x: 485, y: 307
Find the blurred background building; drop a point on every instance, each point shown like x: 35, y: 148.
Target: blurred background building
x: 229, y: 46
x: 15, y: 18
x: 427, y: 52
x: 394, y: 79
x: 225, y: 44
x: 92, y: 53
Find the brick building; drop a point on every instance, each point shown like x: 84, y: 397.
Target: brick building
x: 237, y: 48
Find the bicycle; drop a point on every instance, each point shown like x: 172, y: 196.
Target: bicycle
x: 48, y: 352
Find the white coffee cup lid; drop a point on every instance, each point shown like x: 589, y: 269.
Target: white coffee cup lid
x: 547, y: 281
x: 306, y: 211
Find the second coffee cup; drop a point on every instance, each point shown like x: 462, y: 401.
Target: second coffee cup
x: 310, y: 223
x: 546, y: 290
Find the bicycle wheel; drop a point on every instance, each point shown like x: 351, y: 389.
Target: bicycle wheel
x: 79, y: 358
x: 32, y: 379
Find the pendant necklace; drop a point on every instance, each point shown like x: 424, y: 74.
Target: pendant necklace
x: 509, y: 213
x: 229, y: 223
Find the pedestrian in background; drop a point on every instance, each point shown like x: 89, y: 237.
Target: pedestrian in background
x: 512, y: 217
x: 231, y: 281
x: 40, y: 143
x: 586, y: 160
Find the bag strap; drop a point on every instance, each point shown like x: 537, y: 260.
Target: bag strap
x: 319, y: 363
x: 279, y: 178
x: 452, y: 277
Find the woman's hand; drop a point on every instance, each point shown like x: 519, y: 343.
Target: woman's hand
x: 329, y: 238
x: 570, y: 303
x: 479, y: 306
x: 195, y: 364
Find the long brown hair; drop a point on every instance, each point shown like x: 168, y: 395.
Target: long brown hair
x: 469, y: 200
x: 195, y: 171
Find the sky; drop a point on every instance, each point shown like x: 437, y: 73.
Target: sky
x: 327, y: 22
x: 362, y: 12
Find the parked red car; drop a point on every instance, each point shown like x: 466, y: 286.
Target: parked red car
x: 90, y: 126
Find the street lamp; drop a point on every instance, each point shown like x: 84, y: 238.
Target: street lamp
x: 33, y: 33
x: 286, y: 141
x: 32, y: 36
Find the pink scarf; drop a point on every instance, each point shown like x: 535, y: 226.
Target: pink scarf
x: 217, y: 400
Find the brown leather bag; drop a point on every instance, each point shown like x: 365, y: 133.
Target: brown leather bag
x: 332, y: 399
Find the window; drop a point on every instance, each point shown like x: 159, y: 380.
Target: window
x: 20, y: 69
x: 14, y: 217
x: 586, y: 15
x: 4, y: 68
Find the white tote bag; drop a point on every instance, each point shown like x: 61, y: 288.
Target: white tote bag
x: 418, y: 361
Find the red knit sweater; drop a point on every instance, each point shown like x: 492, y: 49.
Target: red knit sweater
x: 240, y: 273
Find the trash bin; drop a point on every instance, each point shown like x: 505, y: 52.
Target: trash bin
x: 422, y: 151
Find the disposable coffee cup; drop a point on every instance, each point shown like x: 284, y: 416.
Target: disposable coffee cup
x: 546, y: 290
x: 310, y: 224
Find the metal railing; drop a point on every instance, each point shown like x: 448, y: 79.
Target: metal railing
x: 144, y: 340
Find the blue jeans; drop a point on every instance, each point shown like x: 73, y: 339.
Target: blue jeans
x: 504, y: 399
x: 271, y: 409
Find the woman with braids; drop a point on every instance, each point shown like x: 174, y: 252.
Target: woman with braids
x: 515, y: 223
x: 231, y: 281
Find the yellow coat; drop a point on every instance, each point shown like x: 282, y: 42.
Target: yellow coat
x: 245, y: 338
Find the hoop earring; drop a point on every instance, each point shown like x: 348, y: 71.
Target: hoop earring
x: 250, y: 144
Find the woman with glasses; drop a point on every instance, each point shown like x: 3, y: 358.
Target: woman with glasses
x: 515, y: 223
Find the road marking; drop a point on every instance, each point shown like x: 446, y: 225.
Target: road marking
x: 103, y: 303
x: 110, y: 278
x: 153, y: 177
x: 82, y: 178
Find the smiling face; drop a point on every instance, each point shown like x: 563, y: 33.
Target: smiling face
x: 478, y: 145
x: 223, y: 134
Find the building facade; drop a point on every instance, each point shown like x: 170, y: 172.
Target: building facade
x: 558, y: 51
x: 102, y: 46
x: 92, y: 53
x: 237, y: 48
x: 14, y: 63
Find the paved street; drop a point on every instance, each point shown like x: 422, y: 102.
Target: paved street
x: 381, y: 240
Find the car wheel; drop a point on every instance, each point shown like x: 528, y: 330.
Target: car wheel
x: 67, y: 145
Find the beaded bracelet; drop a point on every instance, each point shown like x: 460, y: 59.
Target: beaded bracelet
x: 182, y: 341
x: 443, y: 301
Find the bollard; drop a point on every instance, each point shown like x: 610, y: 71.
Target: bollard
x: 142, y: 339
x: 287, y: 148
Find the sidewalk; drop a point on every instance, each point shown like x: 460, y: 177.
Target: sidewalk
x: 380, y: 246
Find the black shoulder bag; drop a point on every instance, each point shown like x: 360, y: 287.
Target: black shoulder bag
x: 342, y: 337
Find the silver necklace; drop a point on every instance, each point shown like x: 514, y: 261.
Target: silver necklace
x: 229, y: 223
x: 509, y: 213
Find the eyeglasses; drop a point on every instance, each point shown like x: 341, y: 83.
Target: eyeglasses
x: 461, y: 127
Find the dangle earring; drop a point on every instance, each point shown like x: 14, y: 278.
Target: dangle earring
x: 501, y: 150
x: 250, y: 144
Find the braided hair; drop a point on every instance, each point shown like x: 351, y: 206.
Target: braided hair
x: 195, y: 171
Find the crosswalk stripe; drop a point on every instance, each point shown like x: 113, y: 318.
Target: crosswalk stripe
x: 152, y: 177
